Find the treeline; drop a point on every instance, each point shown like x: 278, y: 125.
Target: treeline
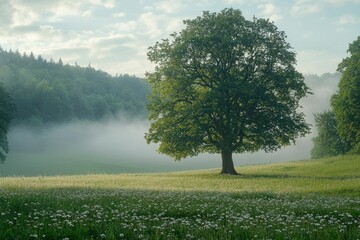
x: 53, y: 92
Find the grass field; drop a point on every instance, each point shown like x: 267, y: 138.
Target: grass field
x: 298, y: 200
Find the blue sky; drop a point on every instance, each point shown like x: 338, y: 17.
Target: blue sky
x: 114, y: 35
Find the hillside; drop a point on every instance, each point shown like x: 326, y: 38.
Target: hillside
x: 53, y: 92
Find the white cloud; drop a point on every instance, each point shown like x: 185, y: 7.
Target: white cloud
x: 125, y: 27
x: 104, y: 3
x: 115, y: 36
x: 304, y: 7
x: 316, y: 61
x: 307, y: 35
x: 235, y: 1
x: 342, y: 2
x: 119, y: 15
x: 87, y: 13
x: 270, y: 11
x: 68, y: 8
x: 169, y: 6
x: 150, y: 21
x: 346, y: 19
x: 174, y: 25
x: 6, y: 15
x: 23, y: 15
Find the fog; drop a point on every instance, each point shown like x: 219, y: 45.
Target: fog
x: 113, y: 146
x: 118, y: 146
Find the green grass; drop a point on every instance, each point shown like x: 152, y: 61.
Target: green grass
x: 296, y: 200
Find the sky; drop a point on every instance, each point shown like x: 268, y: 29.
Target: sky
x: 114, y: 35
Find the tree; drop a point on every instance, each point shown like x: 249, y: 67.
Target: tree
x: 6, y: 109
x: 346, y: 102
x: 328, y: 142
x: 224, y: 85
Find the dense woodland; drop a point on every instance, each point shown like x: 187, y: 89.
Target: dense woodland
x: 52, y: 92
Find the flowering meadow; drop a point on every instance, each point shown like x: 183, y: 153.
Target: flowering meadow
x: 134, y: 214
x: 182, y: 206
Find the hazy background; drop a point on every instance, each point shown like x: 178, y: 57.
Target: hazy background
x: 118, y: 146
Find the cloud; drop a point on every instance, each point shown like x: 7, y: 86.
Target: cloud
x: 119, y: 14
x: 346, y: 19
x: 23, y: 15
x: 342, y: 2
x: 125, y: 27
x: 104, y: 3
x: 308, y: 61
x: 305, y: 7
x: 6, y: 15
x: 150, y: 22
x: 169, y: 6
x: 308, y: 35
x: 270, y: 11
x: 84, y: 28
x: 27, y: 11
x: 68, y: 8
x: 234, y: 1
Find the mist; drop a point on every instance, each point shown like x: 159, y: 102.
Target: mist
x: 118, y: 146
x: 113, y: 146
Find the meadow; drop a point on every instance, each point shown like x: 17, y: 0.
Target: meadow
x: 297, y: 200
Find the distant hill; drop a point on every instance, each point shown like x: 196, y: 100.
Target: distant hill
x: 53, y: 92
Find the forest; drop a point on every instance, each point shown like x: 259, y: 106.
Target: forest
x: 46, y: 91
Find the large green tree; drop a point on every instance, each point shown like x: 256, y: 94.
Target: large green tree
x: 346, y: 102
x: 6, y: 110
x: 224, y: 85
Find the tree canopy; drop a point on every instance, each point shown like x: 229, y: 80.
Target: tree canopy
x: 224, y: 85
x: 346, y: 102
x: 53, y: 92
x: 7, y: 108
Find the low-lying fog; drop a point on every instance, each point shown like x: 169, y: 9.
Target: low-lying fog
x: 119, y: 146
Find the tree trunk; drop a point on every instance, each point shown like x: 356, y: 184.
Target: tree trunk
x: 227, y: 163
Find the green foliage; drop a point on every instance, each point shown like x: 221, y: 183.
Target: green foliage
x: 7, y: 108
x: 48, y: 92
x: 346, y: 102
x: 328, y: 142
x: 224, y: 84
